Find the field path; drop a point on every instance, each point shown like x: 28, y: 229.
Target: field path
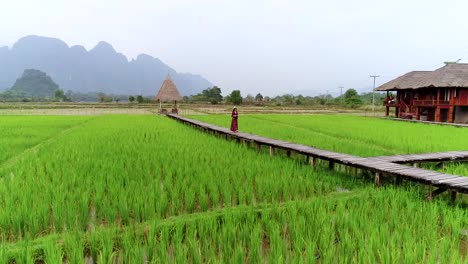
x: 333, y: 196
x: 32, y: 150
x: 192, y: 217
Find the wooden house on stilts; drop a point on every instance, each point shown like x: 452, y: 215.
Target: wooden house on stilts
x: 168, y: 93
x: 440, y: 95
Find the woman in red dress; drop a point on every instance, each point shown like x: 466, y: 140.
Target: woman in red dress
x: 234, y: 115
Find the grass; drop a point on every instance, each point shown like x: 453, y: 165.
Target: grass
x: 127, y: 189
x: 362, y: 136
x: 18, y: 133
x: 356, y: 135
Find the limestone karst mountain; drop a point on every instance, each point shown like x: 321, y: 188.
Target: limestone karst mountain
x: 34, y: 83
x: 101, y: 69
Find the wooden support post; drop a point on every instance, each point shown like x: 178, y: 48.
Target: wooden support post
x: 397, y: 111
x: 441, y: 165
x: 387, y: 110
x: 450, y: 115
x: 331, y: 165
x: 377, y: 180
x: 437, y: 114
x: 257, y: 146
x: 453, y: 196
x: 272, y: 150
x: 312, y: 161
x: 418, y: 113
x: 244, y: 142
x: 341, y: 167
x: 434, y: 193
x: 288, y: 153
x: 399, y: 180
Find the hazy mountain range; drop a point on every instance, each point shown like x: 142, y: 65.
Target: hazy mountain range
x: 100, y: 69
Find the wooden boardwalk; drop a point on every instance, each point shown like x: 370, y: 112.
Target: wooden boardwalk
x: 426, y: 157
x: 387, y: 166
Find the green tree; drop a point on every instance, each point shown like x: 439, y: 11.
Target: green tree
x: 352, y: 98
x: 259, y: 97
x: 288, y: 99
x: 235, y: 97
x: 367, y: 98
x: 59, y: 95
x: 131, y: 98
x: 140, y: 99
x: 213, y: 95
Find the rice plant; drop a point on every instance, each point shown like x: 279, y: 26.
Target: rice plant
x: 146, y: 189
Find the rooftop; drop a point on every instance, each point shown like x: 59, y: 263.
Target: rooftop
x: 451, y: 75
x: 168, y: 91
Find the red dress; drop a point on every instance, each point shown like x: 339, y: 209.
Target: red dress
x: 234, y: 121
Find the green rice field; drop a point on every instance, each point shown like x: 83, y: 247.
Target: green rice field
x: 147, y: 189
x: 356, y: 135
x: 23, y: 132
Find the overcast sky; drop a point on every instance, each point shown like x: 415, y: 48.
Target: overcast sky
x: 271, y: 47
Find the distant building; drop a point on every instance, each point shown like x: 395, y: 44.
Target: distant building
x: 440, y: 95
x: 168, y: 93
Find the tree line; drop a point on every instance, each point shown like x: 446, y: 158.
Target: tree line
x: 351, y: 98
x: 210, y: 95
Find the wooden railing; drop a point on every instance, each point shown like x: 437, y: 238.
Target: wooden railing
x: 455, y: 101
x: 393, y: 103
x: 461, y: 101
x: 429, y: 102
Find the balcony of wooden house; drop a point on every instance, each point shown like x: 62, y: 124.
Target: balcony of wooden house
x: 431, y: 103
x: 391, y: 103
x: 460, y: 101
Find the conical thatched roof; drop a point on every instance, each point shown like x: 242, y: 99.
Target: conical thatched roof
x: 168, y: 91
x: 451, y: 75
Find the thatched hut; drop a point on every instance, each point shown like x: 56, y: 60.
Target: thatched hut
x: 440, y: 95
x: 168, y: 93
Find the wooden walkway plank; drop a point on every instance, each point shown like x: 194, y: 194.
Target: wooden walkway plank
x: 461, y: 185
x: 426, y: 157
x: 453, y: 181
